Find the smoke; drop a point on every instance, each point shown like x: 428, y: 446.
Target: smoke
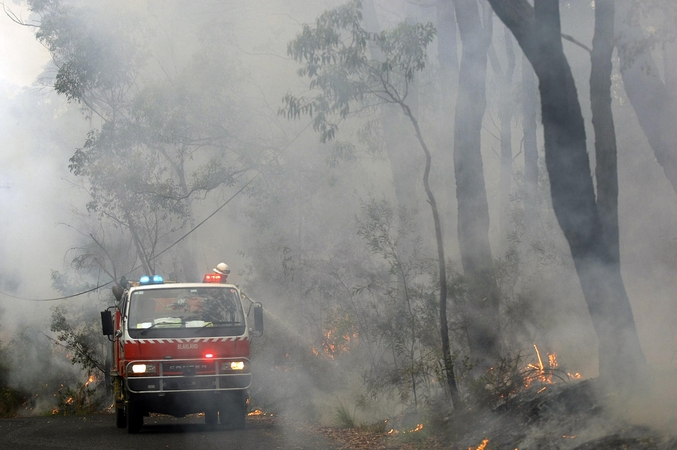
x: 291, y: 237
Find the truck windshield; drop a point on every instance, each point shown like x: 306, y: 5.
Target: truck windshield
x: 178, y: 312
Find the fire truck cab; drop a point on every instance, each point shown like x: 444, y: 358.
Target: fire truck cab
x: 181, y: 348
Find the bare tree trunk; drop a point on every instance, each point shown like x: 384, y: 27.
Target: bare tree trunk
x: 505, y: 108
x: 446, y: 37
x: 444, y: 327
x: 606, y: 168
x: 653, y: 101
x: 537, y: 30
x: 529, y: 115
x: 473, y: 208
x: 447, y: 32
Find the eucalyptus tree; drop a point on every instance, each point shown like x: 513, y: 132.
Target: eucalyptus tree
x: 606, y: 167
x: 538, y: 31
x: 504, y: 80
x: 476, y: 31
x: 651, y: 91
x: 346, y: 81
x: 155, y: 144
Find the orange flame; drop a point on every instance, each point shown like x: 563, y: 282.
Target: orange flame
x: 419, y: 427
x: 482, y: 446
x: 539, y: 372
x: 334, y: 344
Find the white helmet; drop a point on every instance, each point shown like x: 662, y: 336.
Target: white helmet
x: 222, y: 268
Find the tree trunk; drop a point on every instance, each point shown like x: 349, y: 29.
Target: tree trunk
x: 538, y: 32
x: 446, y: 37
x: 529, y: 115
x: 505, y: 112
x: 473, y: 210
x: 654, y: 103
x: 403, y: 163
x: 606, y: 168
x: 444, y: 327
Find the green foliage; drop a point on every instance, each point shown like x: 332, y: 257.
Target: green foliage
x: 338, y: 57
x: 83, y: 399
x: 10, y: 401
x: 498, y: 385
x: 81, y: 336
x: 160, y: 145
x: 10, y: 397
x: 400, y: 308
x: 92, y: 58
x: 343, y: 416
x: 39, y: 370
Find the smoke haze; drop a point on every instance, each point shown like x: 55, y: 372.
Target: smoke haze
x: 295, y: 237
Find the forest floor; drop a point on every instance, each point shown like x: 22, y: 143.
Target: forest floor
x: 570, y: 415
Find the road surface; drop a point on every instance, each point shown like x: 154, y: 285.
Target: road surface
x: 98, y: 432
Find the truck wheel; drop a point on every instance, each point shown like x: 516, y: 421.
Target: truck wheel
x: 120, y: 417
x: 134, y: 418
x: 211, y: 417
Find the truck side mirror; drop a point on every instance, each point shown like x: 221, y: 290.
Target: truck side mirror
x: 107, y: 323
x: 258, y: 318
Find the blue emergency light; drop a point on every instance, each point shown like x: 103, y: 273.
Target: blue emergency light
x: 156, y: 279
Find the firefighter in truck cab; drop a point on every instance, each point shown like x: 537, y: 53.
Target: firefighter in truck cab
x: 181, y: 348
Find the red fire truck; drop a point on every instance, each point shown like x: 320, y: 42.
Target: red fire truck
x: 181, y: 348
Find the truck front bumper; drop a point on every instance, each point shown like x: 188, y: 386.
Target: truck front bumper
x: 187, y: 375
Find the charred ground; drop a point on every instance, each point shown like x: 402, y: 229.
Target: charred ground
x: 580, y: 415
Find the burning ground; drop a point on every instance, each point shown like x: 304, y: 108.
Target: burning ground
x: 574, y: 415
x: 578, y: 415
x: 531, y: 403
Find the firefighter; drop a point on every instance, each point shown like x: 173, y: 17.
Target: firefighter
x: 223, y: 270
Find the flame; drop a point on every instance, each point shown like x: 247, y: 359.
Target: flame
x: 394, y: 432
x: 419, y: 427
x: 334, y: 344
x: 482, y: 446
x: 539, y: 372
x: 258, y: 412
x: 91, y: 379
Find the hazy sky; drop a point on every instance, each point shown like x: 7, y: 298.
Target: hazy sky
x: 33, y: 192
x: 22, y: 57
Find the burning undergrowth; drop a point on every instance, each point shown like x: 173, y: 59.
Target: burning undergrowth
x: 573, y: 415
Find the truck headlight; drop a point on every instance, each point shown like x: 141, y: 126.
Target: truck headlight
x: 228, y: 366
x: 144, y: 368
x: 237, y: 365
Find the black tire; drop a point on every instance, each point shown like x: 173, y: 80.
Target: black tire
x: 211, y: 417
x: 134, y: 418
x: 120, y: 417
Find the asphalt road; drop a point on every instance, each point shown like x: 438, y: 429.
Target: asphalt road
x: 159, y: 432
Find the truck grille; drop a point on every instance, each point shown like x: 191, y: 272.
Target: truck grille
x: 189, y: 376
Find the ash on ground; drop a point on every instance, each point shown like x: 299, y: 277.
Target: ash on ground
x: 578, y: 415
